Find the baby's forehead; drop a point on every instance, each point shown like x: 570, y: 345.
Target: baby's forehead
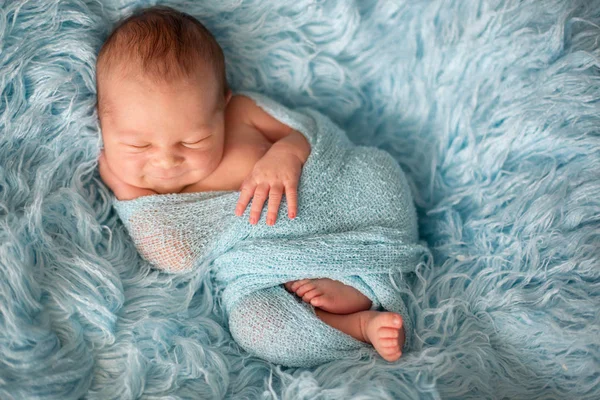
x: 118, y: 86
x: 123, y: 102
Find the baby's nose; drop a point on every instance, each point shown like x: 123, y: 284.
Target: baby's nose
x: 166, y: 161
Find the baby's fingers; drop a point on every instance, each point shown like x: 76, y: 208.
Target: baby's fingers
x: 275, y: 195
x: 260, y: 196
x: 291, y: 196
x: 247, y: 191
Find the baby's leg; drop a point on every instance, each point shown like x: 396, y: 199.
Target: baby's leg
x: 330, y: 295
x: 384, y: 330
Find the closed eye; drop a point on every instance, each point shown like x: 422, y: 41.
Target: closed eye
x: 185, y: 144
x: 201, y: 140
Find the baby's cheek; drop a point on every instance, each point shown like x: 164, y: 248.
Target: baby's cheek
x: 202, y: 161
x: 132, y: 170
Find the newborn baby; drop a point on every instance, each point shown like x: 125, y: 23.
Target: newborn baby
x: 170, y: 124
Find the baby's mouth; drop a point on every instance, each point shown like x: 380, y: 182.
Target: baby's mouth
x: 167, y: 177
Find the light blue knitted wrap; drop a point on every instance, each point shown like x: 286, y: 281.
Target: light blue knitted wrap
x: 356, y: 223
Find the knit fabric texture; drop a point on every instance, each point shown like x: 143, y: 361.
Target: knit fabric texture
x: 356, y: 223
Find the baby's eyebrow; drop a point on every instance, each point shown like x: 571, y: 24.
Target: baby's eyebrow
x: 130, y: 134
x: 201, y: 127
x: 144, y: 135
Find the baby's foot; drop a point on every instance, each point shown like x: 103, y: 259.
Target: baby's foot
x: 385, y: 331
x: 330, y: 295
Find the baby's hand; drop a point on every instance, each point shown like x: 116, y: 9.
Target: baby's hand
x: 278, y: 172
x: 121, y: 189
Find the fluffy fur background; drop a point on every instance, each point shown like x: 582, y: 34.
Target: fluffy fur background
x: 491, y: 107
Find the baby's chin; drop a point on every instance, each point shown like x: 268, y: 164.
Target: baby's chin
x: 163, y: 186
x: 175, y: 185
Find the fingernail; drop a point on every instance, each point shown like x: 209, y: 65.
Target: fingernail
x: 270, y: 221
x: 292, y: 215
x: 397, y: 321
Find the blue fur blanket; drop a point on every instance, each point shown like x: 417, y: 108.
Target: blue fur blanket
x: 492, y: 108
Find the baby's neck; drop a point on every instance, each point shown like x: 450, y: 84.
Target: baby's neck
x: 209, y: 185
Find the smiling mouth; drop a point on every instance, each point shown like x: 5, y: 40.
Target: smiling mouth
x: 167, y: 177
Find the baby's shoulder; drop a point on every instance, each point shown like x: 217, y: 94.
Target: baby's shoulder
x: 251, y: 110
x: 240, y: 107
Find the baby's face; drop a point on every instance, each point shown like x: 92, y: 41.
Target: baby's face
x: 162, y: 136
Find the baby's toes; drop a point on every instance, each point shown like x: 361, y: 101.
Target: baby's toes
x: 288, y: 286
x: 311, y: 295
x: 296, y: 284
x: 391, y: 333
x: 302, y: 290
x: 390, y: 356
x: 319, y: 300
x: 389, y: 320
x: 388, y: 348
x: 390, y: 344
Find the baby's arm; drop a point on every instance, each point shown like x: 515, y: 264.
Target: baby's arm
x: 279, y: 170
x: 283, y: 137
x: 121, y: 189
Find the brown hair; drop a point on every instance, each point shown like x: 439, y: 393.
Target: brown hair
x: 165, y: 44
